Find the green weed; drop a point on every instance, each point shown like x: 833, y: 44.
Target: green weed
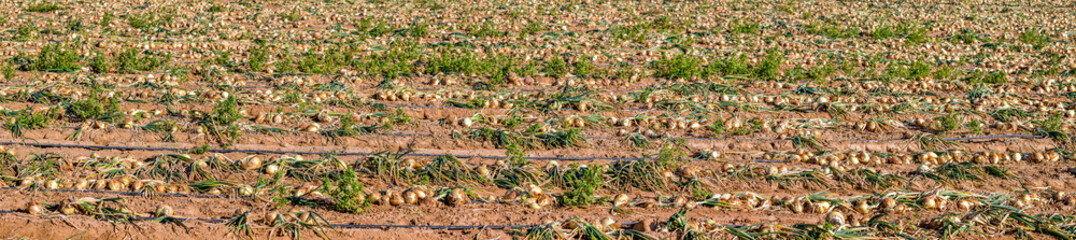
x: 346, y: 191
x: 258, y: 56
x: 133, y: 61
x: 948, y: 123
x: 770, y: 67
x: 293, y: 15
x: 145, y: 21
x: 215, y: 8
x: 964, y: 37
x: 975, y: 126
x: 532, y: 28
x: 28, y: 119
x: 106, y: 109
x: 884, y: 32
x: 44, y: 7
x: 7, y: 70
x: 732, y: 65
x: 1034, y: 38
x: 55, y: 58
x: 677, y: 67
x: 486, y: 29
x: 584, y: 67
x: 980, y: 76
x: 635, y: 33
x: 419, y: 30
x: 25, y: 31
x: 106, y: 19
x: 742, y: 26
x: 556, y: 67
x: 286, y: 64
x: 580, y: 184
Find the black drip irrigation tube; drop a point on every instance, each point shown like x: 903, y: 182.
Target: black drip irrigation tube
x: 199, y: 195
x: 397, y: 134
x: 388, y: 226
x: 946, y: 139
x: 346, y: 226
x: 1026, y: 136
x: 401, y: 134
x: 434, y: 227
x: 844, y: 140
x: 327, y: 153
x: 195, y: 195
x: 364, y: 226
x: 15, y: 83
x: 257, y: 151
x: 630, y: 109
x: 624, y: 225
x: 715, y: 139
x: 130, y: 193
x: 218, y: 150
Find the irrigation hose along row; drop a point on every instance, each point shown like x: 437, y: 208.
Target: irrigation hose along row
x: 262, y: 151
x: 689, y: 139
x: 365, y: 226
x: 1027, y: 136
x: 194, y: 195
x: 352, y: 226
x: 333, y: 76
x: 437, y: 107
x: 199, y: 195
x: 388, y: 226
x: 130, y: 193
x: 256, y: 151
x: 407, y: 106
x: 401, y: 134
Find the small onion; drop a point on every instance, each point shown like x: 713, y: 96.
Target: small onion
x: 410, y: 197
x: 929, y: 202
x: 375, y: 198
x: 396, y: 200
x: 35, y: 208
x: 620, y: 200
x: 245, y: 190
x: 68, y: 209
x: 457, y: 197
x: 836, y: 218
x: 252, y: 163
x: 163, y: 211
x: 272, y: 169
